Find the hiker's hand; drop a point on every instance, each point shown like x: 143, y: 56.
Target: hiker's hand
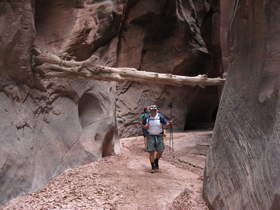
x: 170, y: 123
x: 146, y: 126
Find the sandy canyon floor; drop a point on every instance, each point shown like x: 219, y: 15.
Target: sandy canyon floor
x: 124, y: 181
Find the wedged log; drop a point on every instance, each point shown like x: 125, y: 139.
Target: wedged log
x: 53, y: 66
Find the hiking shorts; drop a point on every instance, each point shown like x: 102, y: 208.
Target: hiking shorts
x: 155, y: 143
x: 145, y: 132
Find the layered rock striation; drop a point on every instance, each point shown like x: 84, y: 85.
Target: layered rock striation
x: 242, y: 167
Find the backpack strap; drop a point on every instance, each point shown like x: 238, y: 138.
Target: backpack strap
x: 162, y: 119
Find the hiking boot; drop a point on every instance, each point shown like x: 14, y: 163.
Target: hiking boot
x: 153, y: 167
x: 153, y: 171
x: 156, y: 164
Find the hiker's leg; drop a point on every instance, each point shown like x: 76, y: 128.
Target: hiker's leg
x: 152, y: 160
x: 151, y: 149
x: 159, y: 146
x: 152, y: 156
x: 150, y: 144
x: 159, y: 149
x: 158, y: 155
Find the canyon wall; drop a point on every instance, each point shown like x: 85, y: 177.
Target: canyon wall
x: 242, y: 167
x: 49, y: 125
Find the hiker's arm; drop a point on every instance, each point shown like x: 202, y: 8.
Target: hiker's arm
x: 145, y: 123
x: 168, y: 124
x: 164, y: 121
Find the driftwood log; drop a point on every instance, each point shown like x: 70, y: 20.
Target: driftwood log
x: 53, y: 66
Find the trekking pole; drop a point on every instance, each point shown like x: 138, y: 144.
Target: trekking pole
x: 171, y: 142
x: 172, y: 139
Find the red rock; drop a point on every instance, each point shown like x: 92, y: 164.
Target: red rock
x: 242, y: 169
x: 50, y: 125
x: 17, y: 35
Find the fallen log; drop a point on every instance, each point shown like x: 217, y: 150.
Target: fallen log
x: 53, y: 66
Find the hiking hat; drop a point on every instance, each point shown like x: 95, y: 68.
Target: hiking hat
x: 153, y: 107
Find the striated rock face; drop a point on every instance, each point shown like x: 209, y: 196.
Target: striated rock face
x: 17, y: 35
x: 242, y: 168
x: 47, y: 125
x: 167, y: 36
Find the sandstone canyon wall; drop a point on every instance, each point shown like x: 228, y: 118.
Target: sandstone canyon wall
x: 49, y: 125
x: 242, y: 168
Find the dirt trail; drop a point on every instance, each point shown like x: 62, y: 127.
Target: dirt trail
x: 124, y: 181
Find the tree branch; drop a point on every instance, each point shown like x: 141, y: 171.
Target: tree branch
x: 53, y: 66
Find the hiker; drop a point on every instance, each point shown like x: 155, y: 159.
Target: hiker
x: 155, y: 145
x: 143, y: 116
